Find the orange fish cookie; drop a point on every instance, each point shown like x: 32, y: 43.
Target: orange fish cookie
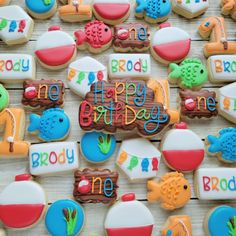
x: 173, y: 190
x: 229, y: 8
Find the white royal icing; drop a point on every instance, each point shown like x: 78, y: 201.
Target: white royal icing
x: 129, y: 66
x: 216, y: 183
x: 192, y: 6
x: 112, y: 1
x: 53, y: 157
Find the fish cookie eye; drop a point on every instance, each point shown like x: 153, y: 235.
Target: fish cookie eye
x: 61, y: 120
x: 201, y: 71
x: 164, y: 1
x: 106, y: 29
x: 185, y: 187
x: 0, y: 95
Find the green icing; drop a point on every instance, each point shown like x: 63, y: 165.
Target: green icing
x: 133, y: 163
x: 71, y: 216
x: 4, y: 98
x: 232, y: 226
x: 3, y: 24
x: 104, y: 143
x: 47, y: 2
x: 81, y: 77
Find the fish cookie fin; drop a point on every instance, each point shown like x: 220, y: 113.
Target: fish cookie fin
x: 141, y: 6
x: 154, y: 191
x: 34, y: 122
x: 175, y: 71
x: 214, y: 144
x: 80, y: 37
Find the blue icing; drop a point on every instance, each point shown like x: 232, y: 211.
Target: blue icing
x: 40, y: 6
x: 53, y: 125
x: 154, y: 8
x: 218, y: 221
x: 97, y: 147
x: 55, y: 219
x: 225, y: 143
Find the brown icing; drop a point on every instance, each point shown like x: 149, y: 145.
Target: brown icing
x: 99, y: 187
x: 43, y: 93
x: 198, y: 103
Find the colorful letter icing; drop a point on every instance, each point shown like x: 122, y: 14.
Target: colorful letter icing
x: 129, y: 66
x: 222, y: 68
x: 136, y: 161
x: 51, y: 158
x: 173, y: 190
x: 218, y: 44
x: 170, y: 44
x: 227, y: 102
x: 198, y: 104
x: 16, y: 67
x: 129, y: 217
x: 65, y: 218
x: 97, y: 147
x: 228, y: 8
x: 22, y: 203
x: 223, y: 145
x: 220, y: 221
x: 122, y: 105
x: 131, y: 37
x: 83, y: 72
x: 16, y: 27
x: 215, y: 183
x: 53, y: 125
x: 182, y: 149
x: 153, y: 11
x: 95, y: 185
x: 55, y: 49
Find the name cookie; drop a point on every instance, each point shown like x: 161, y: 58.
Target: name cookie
x: 129, y: 66
x: 132, y: 37
x: 16, y: 27
x: 95, y: 185
x: 228, y: 8
x: 215, y: 183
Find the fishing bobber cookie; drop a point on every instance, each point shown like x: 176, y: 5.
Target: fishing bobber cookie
x: 170, y: 44
x: 55, y: 49
x: 129, y: 217
x: 22, y: 203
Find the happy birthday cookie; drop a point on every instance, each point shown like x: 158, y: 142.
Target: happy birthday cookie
x: 228, y: 8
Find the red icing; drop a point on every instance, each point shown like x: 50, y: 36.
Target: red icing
x: 181, y: 125
x: 56, y: 56
x: 134, y: 231
x: 164, y: 25
x: 54, y: 27
x: 111, y: 11
x: 184, y: 160
x: 84, y: 187
x: 123, y: 35
x: 174, y: 51
x: 154, y: 163
x: 20, y: 216
x: 128, y: 197
x: 23, y: 177
x: 190, y: 104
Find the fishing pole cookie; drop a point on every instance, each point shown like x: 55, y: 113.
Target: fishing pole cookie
x: 228, y: 8
x: 16, y: 27
x: 4, y: 2
x: 173, y: 190
x: 96, y: 37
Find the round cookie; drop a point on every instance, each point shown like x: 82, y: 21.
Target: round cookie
x: 97, y: 147
x: 65, y: 218
x: 55, y: 49
x: 41, y: 9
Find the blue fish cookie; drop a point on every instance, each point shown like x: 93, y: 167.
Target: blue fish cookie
x: 53, y: 125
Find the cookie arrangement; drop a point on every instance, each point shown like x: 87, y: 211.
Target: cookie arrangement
x: 128, y: 127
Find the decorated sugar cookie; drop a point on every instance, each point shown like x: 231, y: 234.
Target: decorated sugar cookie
x: 178, y: 225
x: 75, y: 11
x: 153, y: 11
x: 218, y: 44
x: 190, y: 74
x: 129, y: 217
x: 83, y: 72
x: 227, y: 102
x: 190, y: 8
x: 55, y: 49
x: 16, y: 27
x: 97, y: 147
x: 65, y: 218
x: 41, y: 9
x: 12, y: 120
x: 22, y: 203
x: 96, y: 37
x: 220, y: 221
x: 228, y: 8
x: 4, y: 2
x: 111, y: 12
x: 123, y: 66
x: 187, y: 153
x: 131, y: 37
x: 223, y: 145
x: 52, y: 125
x: 170, y: 44
x: 95, y: 185
x: 215, y: 183
x: 49, y: 158
x: 173, y: 190
x: 136, y: 161
x: 198, y: 104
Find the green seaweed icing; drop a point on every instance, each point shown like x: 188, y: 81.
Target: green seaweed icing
x: 71, y: 216
x: 104, y: 143
x: 232, y: 226
x: 47, y: 2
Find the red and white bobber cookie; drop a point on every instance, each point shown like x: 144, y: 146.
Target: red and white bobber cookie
x: 182, y: 149
x: 55, y: 49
